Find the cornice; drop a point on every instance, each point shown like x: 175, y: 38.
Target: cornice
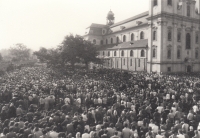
x: 174, y: 16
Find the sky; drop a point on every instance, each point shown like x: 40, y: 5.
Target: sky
x: 45, y: 23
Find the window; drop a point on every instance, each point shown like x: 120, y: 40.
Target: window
x: 169, y: 2
x: 154, y: 53
x: 115, y: 53
x: 142, y: 35
x: 103, y: 53
x: 154, y: 35
x: 111, y: 40
x: 117, y: 40
x: 138, y: 62
x: 131, y: 53
x: 197, y: 39
x: 142, y: 53
x: 122, y: 53
x: 124, y: 38
x: 108, y: 53
x: 131, y: 62
x: 169, y: 35
x: 188, y: 41
x: 155, y: 3
x: 132, y: 37
x: 94, y: 41
x: 179, y: 37
x: 169, y: 69
x: 169, y: 54
x: 178, y: 54
x: 106, y: 41
x: 124, y: 61
x: 101, y: 42
x: 196, y: 54
x: 188, y: 11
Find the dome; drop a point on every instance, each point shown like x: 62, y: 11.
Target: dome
x: 110, y: 13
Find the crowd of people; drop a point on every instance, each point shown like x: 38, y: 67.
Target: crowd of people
x: 36, y: 102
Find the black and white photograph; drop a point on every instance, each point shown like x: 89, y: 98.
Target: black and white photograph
x: 99, y: 68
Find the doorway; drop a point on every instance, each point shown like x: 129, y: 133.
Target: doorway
x: 189, y: 69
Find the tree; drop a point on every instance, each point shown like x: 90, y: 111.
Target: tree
x: 42, y: 54
x: 70, y: 49
x: 20, y: 52
x: 1, y: 57
x: 88, y: 53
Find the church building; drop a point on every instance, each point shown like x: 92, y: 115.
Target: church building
x: 163, y: 39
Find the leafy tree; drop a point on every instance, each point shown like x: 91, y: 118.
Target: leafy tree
x: 88, y: 53
x: 20, y: 52
x: 70, y: 49
x: 42, y: 54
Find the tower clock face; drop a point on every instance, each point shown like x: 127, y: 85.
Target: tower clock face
x: 104, y: 31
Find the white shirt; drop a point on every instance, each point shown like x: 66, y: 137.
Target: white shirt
x: 180, y: 136
x: 86, y: 135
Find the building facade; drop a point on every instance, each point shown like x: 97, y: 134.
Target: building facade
x: 163, y: 39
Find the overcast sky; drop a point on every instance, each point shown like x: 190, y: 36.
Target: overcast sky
x: 38, y: 23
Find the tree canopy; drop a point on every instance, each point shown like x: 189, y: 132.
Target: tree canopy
x: 19, y: 52
x: 72, y: 50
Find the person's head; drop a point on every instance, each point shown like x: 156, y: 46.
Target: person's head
x: 191, y: 128
x: 21, y: 131
x: 116, y: 133
x: 11, y: 129
x: 44, y: 131
x: 5, y: 131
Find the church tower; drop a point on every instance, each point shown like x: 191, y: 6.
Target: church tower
x: 174, y: 31
x: 110, y: 18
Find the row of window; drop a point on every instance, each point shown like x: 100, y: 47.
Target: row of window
x: 154, y: 53
x: 142, y: 53
x: 169, y: 2
x: 124, y: 39
x: 169, y: 54
x: 188, y: 39
x: 131, y: 62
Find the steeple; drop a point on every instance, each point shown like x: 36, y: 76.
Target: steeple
x: 110, y: 18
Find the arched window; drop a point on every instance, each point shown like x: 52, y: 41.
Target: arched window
x: 188, y: 11
x: 142, y: 35
x: 111, y: 40
x: 179, y: 36
x: 117, y: 40
x: 169, y: 2
x: 197, y: 39
x: 178, y: 54
x: 196, y: 54
x: 124, y: 38
x: 142, y: 53
x: 154, y: 53
x: 154, y: 35
x: 94, y: 41
x: 131, y: 62
x: 101, y: 42
x: 131, y: 53
x: 169, y: 53
x: 155, y: 3
x: 169, y: 35
x: 106, y: 41
x: 124, y: 61
x: 132, y: 37
x: 122, y: 53
x: 103, y: 53
x: 108, y: 53
x: 115, y: 53
x: 188, y: 41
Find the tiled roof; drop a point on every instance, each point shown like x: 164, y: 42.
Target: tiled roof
x: 104, y: 47
x: 131, y: 44
x: 95, y: 25
x: 130, y: 19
